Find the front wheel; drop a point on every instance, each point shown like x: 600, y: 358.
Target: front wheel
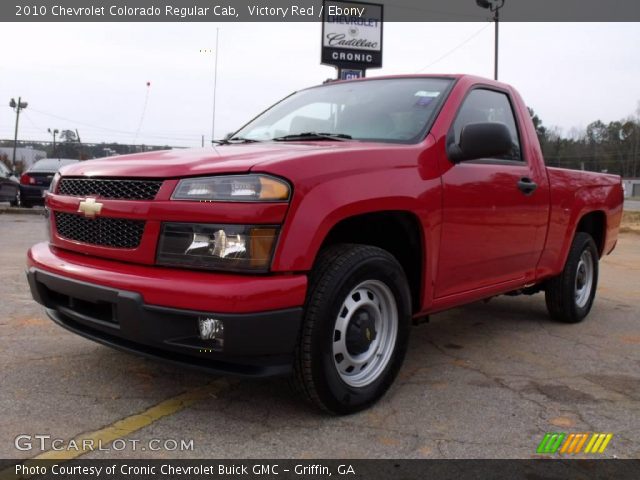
x: 570, y: 295
x: 356, y: 328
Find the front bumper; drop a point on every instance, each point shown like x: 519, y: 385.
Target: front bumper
x: 255, y: 343
x: 33, y: 194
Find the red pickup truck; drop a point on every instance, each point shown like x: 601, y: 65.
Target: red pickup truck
x: 307, y: 242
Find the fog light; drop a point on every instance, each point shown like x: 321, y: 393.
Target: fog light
x: 211, y: 329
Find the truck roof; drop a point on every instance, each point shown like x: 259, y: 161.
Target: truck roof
x: 454, y: 76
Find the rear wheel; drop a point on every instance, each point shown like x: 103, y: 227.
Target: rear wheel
x: 16, y: 200
x: 570, y: 295
x: 356, y: 328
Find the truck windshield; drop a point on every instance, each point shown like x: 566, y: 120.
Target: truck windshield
x: 388, y: 110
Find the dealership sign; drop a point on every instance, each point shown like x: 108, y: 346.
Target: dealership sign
x: 352, y: 34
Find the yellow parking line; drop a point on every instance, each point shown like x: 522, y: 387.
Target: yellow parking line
x: 126, y: 426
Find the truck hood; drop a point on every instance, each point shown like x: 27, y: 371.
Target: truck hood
x: 235, y: 158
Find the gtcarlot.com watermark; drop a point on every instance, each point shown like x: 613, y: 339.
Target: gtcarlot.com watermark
x: 43, y: 443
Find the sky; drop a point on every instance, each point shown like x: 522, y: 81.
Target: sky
x: 93, y: 76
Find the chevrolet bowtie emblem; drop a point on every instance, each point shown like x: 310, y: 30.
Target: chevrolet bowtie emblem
x: 90, y: 207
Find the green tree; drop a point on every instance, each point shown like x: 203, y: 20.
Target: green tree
x: 68, y: 145
x: 68, y: 136
x: 537, y: 123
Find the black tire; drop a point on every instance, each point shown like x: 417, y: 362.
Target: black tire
x: 25, y: 204
x: 338, y: 272
x: 561, y: 292
x: 16, y: 200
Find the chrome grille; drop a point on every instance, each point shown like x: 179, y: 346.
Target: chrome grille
x: 116, y: 189
x: 103, y: 231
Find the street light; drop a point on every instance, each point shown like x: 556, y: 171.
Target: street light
x: 17, y: 106
x: 494, y: 6
x: 54, y: 133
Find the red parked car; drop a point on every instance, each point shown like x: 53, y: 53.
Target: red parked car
x: 307, y: 242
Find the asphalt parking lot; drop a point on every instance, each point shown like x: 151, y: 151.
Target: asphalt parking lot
x: 484, y: 381
x: 632, y: 205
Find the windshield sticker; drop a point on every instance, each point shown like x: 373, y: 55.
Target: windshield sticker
x: 423, y: 101
x: 425, y: 93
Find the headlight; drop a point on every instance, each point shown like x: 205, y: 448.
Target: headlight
x: 233, y: 188
x: 54, y: 183
x: 217, y: 247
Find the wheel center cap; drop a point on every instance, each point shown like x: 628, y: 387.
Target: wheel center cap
x: 582, y: 274
x: 361, y: 332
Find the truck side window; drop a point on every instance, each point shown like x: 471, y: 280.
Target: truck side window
x: 489, y: 106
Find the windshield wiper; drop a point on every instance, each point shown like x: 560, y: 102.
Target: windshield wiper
x: 229, y: 141
x: 242, y: 140
x: 313, y: 136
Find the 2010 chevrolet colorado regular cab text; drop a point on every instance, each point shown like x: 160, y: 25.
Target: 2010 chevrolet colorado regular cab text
x: 307, y: 242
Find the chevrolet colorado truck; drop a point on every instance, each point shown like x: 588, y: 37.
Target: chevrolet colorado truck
x: 308, y: 242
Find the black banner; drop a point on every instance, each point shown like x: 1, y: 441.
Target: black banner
x: 321, y: 469
x: 346, y: 58
x: 311, y: 11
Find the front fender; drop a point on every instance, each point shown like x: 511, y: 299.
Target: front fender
x: 315, y: 211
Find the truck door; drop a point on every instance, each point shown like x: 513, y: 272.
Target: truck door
x: 491, y: 211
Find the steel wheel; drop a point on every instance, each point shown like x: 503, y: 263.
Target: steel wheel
x: 584, y: 279
x: 365, y: 333
x: 569, y: 295
x: 355, y: 328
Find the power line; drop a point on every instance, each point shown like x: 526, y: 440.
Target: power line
x: 144, y: 110
x: 122, y: 137
x: 186, y: 136
x: 455, y: 48
x: 31, y: 134
x: 31, y: 121
x: 80, y: 123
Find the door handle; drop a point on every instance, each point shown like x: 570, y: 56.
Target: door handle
x: 527, y: 186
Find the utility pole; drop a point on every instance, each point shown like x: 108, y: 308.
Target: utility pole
x: 20, y: 105
x: 496, y: 20
x: 215, y: 84
x: 54, y: 132
x: 80, y: 153
x: 494, y: 6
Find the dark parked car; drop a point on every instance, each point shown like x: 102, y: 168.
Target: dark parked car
x: 9, y: 189
x: 36, y: 180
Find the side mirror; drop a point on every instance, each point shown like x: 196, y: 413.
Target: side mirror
x: 481, y: 140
